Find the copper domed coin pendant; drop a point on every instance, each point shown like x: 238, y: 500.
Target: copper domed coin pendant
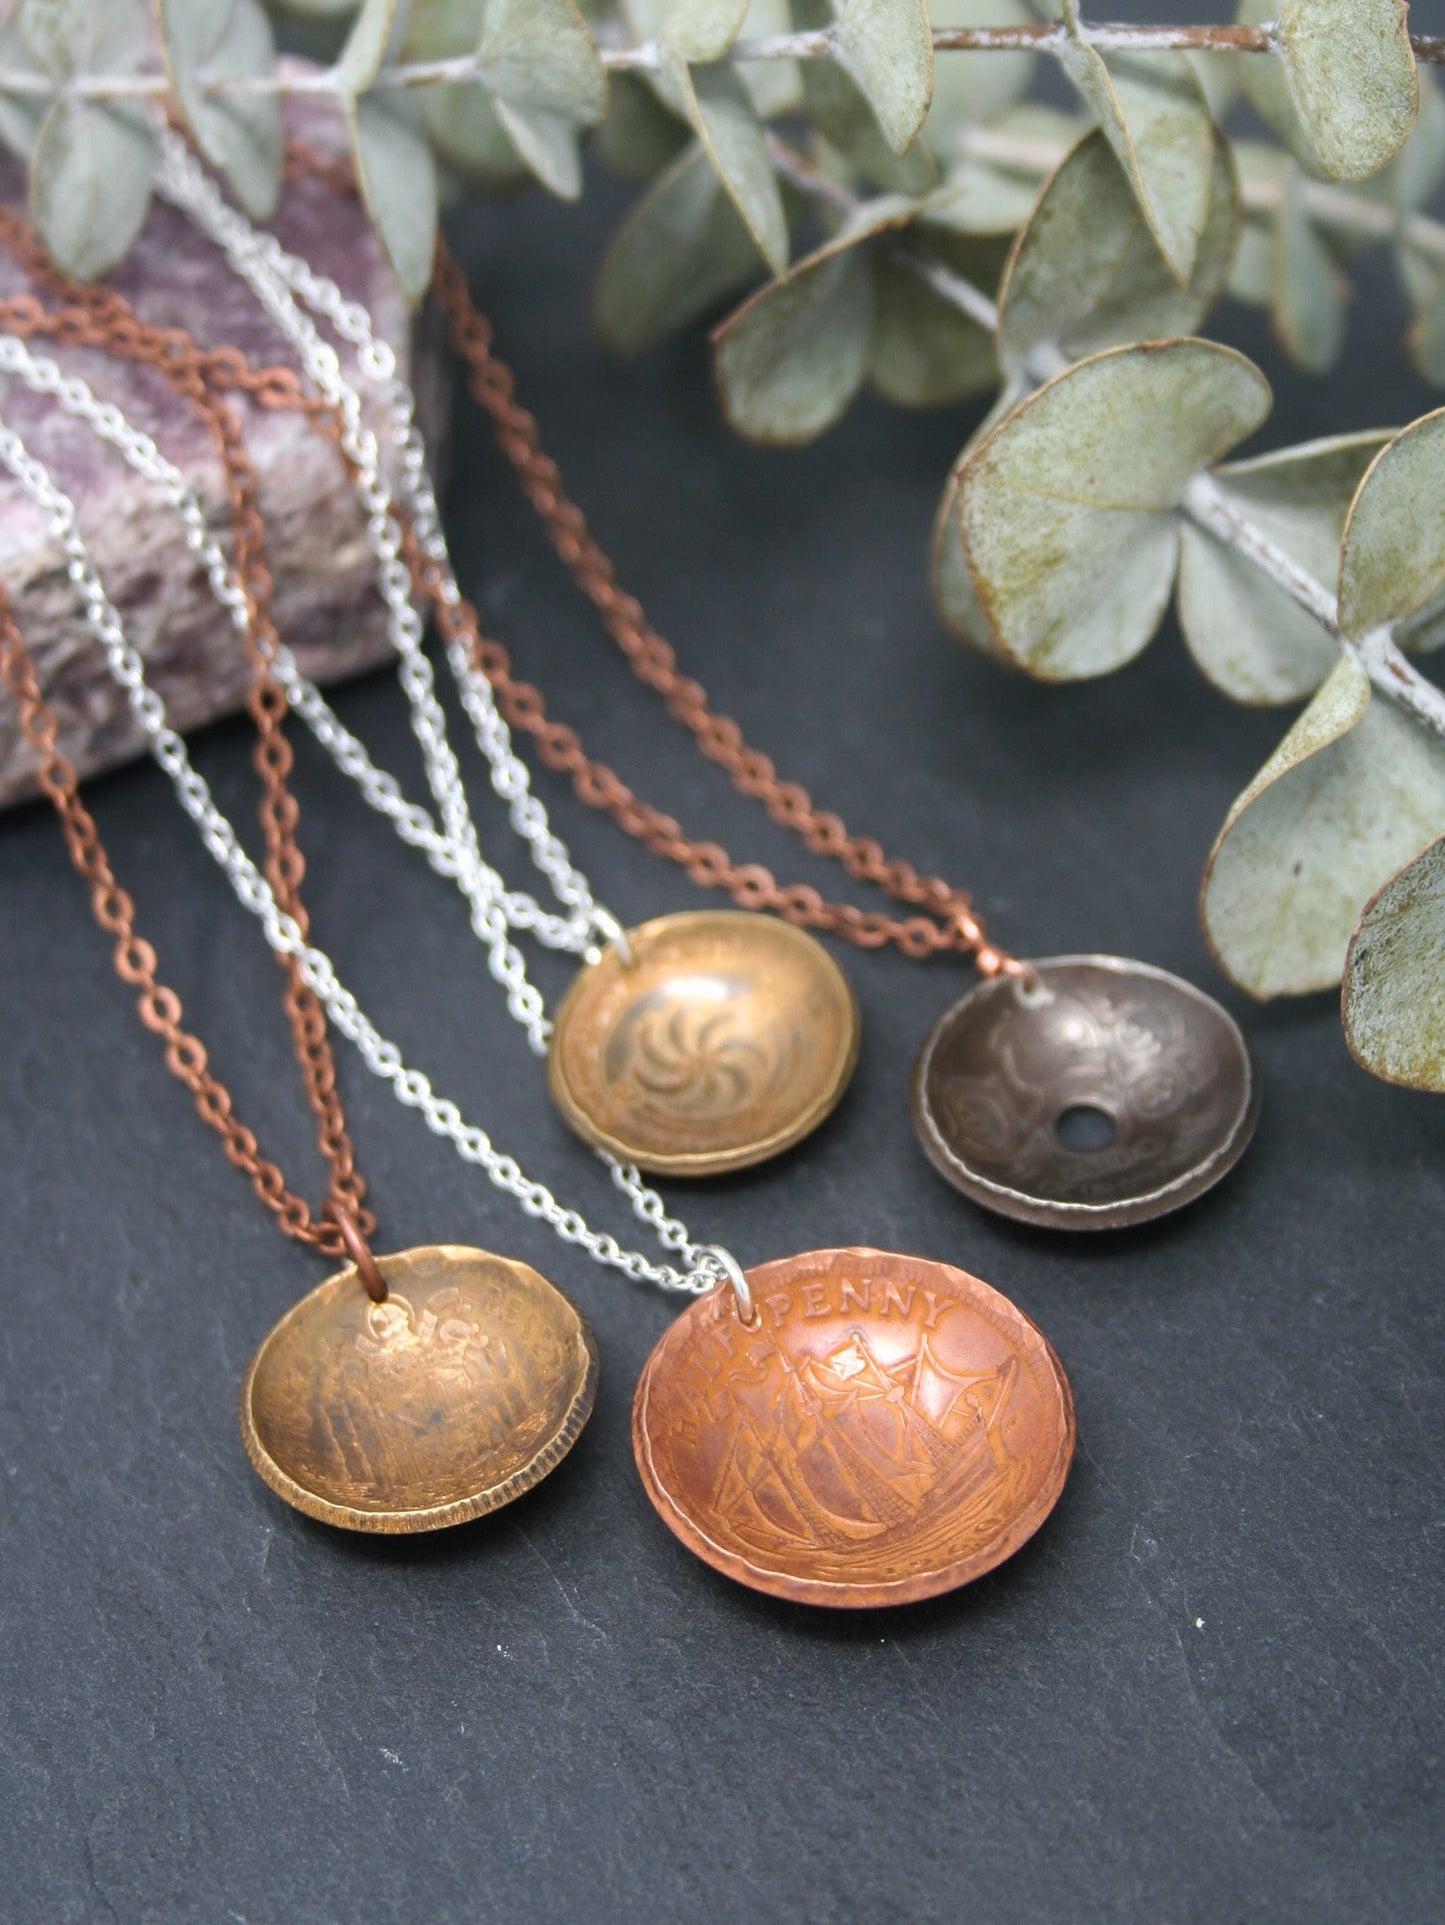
x: 1109, y: 1093
x: 883, y: 1429
x: 461, y: 1390
x: 716, y: 1040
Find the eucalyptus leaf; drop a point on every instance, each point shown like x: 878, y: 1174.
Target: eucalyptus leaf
x: 1392, y: 559
x: 698, y: 31
x: 980, y: 199
x: 1153, y: 114
x: 1086, y: 272
x: 1250, y: 638
x: 1068, y: 508
x: 640, y: 135
x: 682, y: 249
x: 73, y: 37
x: 538, y: 57
x: 789, y: 361
x: 972, y: 88
x: 1356, y: 788
x: 1309, y: 289
x: 90, y: 181
x: 547, y: 143
x: 1417, y: 174
x: 887, y: 46
x: 954, y: 595
x: 840, y: 112
x: 459, y: 117
x: 239, y: 133
x: 1252, y: 271
x: 376, y: 35
x: 1394, y: 993
x: 1341, y: 90
x: 721, y: 115
x: 20, y: 113
x: 398, y: 183
x: 773, y: 86
x: 924, y: 352
x: 1427, y: 337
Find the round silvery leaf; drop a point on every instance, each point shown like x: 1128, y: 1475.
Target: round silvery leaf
x: 90, y: 182
x: 398, y: 183
x: 1341, y: 89
x: 924, y: 351
x: 1153, y: 114
x: 714, y: 103
x: 1068, y: 508
x: 1394, y: 988
x: 887, y: 47
x: 1249, y: 637
x: 1356, y: 788
x: 538, y: 57
x: 841, y: 113
x: 640, y: 135
x: 972, y: 88
x: 239, y: 133
x: 1392, y: 559
x: 790, y: 360
x: 1309, y: 289
x: 954, y: 595
x: 1086, y: 272
x: 681, y: 250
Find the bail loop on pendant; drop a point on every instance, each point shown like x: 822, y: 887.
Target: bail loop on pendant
x: 358, y: 1251
x: 732, y: 1271
x: 612, y: 933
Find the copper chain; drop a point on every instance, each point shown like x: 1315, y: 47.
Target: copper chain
x: 948, y: 921
x: 97, y: 317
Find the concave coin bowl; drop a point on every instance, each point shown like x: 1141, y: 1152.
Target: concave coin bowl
x: 1111, y: 1094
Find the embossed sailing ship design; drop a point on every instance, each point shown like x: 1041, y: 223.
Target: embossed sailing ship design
x: 855, y: 1449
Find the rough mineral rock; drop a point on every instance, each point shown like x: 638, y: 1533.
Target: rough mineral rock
x: 325, y: 605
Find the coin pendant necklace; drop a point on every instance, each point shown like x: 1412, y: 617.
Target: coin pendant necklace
x: 695, y: 1044
x: 407, y: 1391
x: 847, y: 1427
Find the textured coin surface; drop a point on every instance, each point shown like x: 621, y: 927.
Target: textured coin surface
x: 887, y: 1428
x: 1115, y: 1093
x: 460, y: 1391
x: 725, y: 1040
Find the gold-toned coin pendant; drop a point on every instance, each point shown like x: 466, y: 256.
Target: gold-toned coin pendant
x: 884, y: 1429
x: 722, y: 1039
x: 1111, y: 1093
x: 464, y: 1388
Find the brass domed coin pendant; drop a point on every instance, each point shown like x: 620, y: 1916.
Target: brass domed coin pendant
x: 1100, y: 1093
x: 463, y: 1387
x: 870, y: 1430
x: 715, y: 1040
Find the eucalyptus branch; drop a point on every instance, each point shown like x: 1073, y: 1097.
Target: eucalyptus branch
x: 1377, y: 653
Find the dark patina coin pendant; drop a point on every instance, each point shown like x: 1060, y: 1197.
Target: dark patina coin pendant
x: 461, y: 1389
x: 1107, y: 1093
x: 882, y: 1428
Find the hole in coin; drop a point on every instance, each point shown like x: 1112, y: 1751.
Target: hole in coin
x: 1083, y: 1126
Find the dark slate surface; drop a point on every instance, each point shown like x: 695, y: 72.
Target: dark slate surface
x: 1209, y: 1691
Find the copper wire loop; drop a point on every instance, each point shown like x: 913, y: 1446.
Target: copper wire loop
x: 358, y: 1250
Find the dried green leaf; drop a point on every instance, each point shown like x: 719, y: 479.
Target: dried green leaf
x: 20, y: 114
x: 680, y: 251
x: 887, y: 46
x: 954, y: 595
x: 789, y: 361
x: 1356, y: 788
x: 239, y: 133
x: 924, y: 350
x: 1249, y: 637
x: 1341, y: 91
x: 1309, y: 289
x: 538, y: 57
x: 90, y: 181
x: 74, y: 37
x: 376, y: 37
x: 698, y: 31
x: 1153, y: 115
x: 1394, y: 995
x: 970, y: 88
x: 841, y: 114
x: 640, y: 135
x: 1392, y: 560
x: 1068, y: 508
x: 1086, y: 272
x: 398, y: 183
x: 714, y: 103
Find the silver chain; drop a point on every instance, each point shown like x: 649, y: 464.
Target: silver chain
x: 705, y: 1264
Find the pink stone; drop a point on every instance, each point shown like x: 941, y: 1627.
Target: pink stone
x: 325, y: 605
